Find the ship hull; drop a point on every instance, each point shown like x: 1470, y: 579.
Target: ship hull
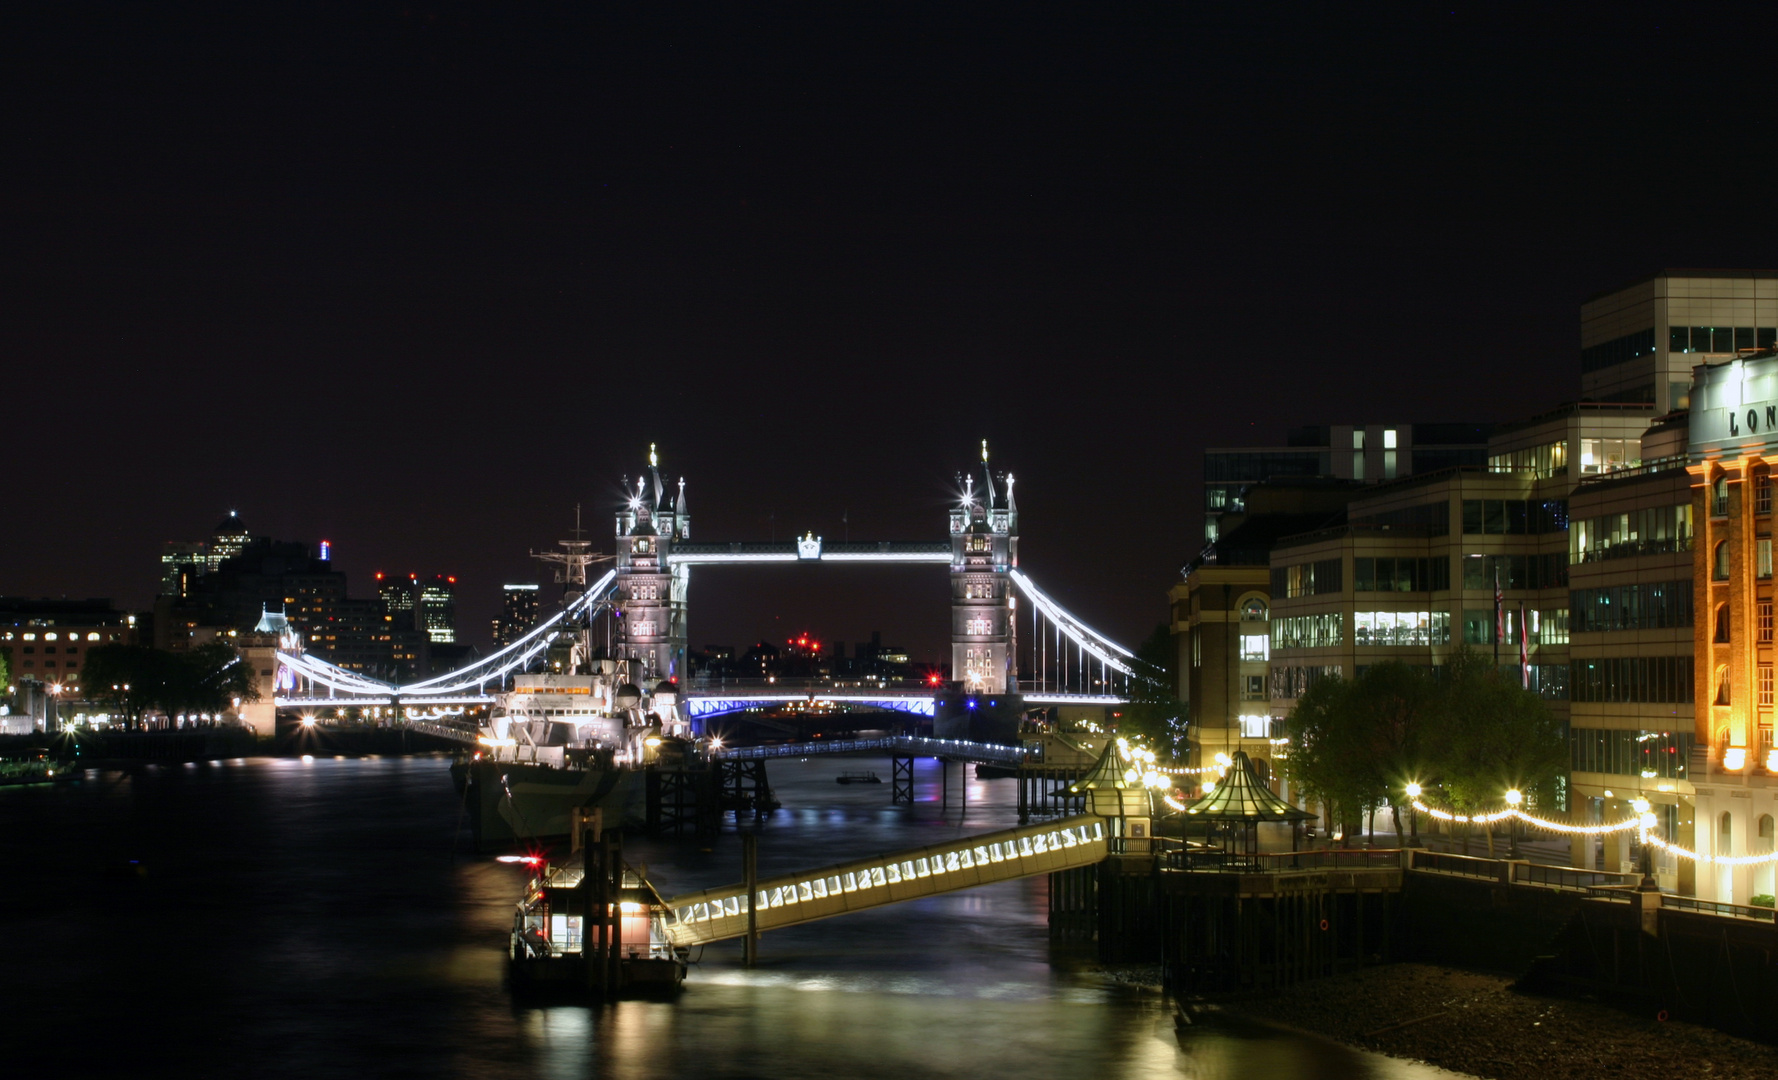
x: 512, y: 803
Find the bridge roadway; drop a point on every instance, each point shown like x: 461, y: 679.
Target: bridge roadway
x: 698, y: 918
x: 904, y: 745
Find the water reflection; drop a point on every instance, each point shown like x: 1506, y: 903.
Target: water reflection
x: 322, y: 917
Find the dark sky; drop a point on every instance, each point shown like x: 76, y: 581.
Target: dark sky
x: 418, y: 278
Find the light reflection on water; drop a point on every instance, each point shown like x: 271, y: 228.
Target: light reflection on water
x: 321, y: 917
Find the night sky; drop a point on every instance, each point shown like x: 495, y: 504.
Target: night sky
x: 419, y: 278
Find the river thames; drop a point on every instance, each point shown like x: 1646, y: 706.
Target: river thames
x: 326, y: 917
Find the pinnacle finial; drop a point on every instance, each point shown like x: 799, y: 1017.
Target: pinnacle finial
x: 984, y: 451
x: 653, y: 458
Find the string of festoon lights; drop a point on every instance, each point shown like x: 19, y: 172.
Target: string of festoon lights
x: 1643, y: 823
x: 1219, y: 765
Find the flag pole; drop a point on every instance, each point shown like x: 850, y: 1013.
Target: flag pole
x: 1499, y: 625
x: 1524, y: 649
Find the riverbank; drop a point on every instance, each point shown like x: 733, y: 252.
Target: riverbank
x: 1476, y: 1023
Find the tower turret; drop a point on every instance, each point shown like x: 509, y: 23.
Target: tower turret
x: 650, y: 627
x: 984, y: 550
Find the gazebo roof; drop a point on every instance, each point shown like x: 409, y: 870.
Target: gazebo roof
x: 1241, y: 797
x: 1107, y: 772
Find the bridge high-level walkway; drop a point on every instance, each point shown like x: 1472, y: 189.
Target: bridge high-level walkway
x: 904, y: 745
x: 698, y: 918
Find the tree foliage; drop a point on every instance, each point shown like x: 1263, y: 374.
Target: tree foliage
x: 1465, y: 737
x: 135, y: 680
x: 1155, y: 711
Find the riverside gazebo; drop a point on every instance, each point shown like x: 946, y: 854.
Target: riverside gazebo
x: 1124, y: 803
x: 1236, y: 806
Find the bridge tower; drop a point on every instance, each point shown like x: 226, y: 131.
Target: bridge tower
x: 984, y: 551
x: 650, y: 597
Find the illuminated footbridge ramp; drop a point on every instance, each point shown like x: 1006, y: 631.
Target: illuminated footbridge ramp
x: 718, y: 914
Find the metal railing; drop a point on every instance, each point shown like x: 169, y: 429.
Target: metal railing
x: 1272, y: 862
x: 1567, y: 877
x: 1713, y: 907
x: 1444, y: 862
x: 908, y: 745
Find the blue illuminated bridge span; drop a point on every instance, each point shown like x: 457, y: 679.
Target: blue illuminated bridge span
x: 1010, y: 638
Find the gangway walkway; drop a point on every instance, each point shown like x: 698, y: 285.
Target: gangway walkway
x: 699, y: 918
x: 904, y: 745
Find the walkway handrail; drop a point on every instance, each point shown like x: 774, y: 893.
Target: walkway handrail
x: 1271, y: 862
x: 1716, y: 907
x: 708, y: 915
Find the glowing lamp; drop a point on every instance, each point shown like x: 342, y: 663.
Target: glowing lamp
x: 1772, y: 761
x: 308, y: 721
x: 1209, y: 786
x: 1413, y: 790
x: 1640, y: 805
x: 1734, y: 759
x: 1513, y: 797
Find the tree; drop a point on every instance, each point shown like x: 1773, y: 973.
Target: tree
x: 1325, y: 759
x: 208, y: 679
x: 1472, y: 735
x: 1490, y: 735
x: 125, y: 677
x: 1154, y: 711
x: 133, y: 679
x: 1391, y: 707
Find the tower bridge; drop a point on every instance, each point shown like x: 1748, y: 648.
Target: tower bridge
x: 639, y: 610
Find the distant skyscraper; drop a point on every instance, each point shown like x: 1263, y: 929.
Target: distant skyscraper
x: 183, y: 561
x: 518, y: 613
x: 397, y: 595
x: 435, y: 609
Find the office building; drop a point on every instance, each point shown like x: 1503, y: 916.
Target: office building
x: 1221, y: 618
x: 519, y: 609
x: 1367, y: 453
x: 1640, y: 342
x: 435, y: 609
x: 1732, y: 442
x: 45, y: 641
x: 182, y: 561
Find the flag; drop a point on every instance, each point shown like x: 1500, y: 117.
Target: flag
x: 1524, y: 650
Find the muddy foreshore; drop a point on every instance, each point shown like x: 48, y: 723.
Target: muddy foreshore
x: 1476, y: 1023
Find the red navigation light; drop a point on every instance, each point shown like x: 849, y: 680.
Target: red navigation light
x: 379, y: 575
x: 816, y: 646
x: 452, y: 580
x: 932, y: 680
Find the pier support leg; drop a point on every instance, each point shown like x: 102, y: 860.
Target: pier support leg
x: 750, y: 874
x: 614, y: 882
x: 901, y: 780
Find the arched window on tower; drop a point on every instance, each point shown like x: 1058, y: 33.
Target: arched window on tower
x: 1721, y: 561
x: 1722, y: 623
x: 1722, y: 684
x: 1762, y: 489
x: 1719, y: 497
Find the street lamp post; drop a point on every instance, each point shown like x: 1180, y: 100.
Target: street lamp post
x: 1413, y: 792
x: 1513, y: 799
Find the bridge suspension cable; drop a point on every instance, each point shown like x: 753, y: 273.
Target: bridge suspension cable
x: 1068, y: 657
x: 495, y: 666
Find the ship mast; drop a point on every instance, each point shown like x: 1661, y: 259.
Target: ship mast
x: 571, y: 562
